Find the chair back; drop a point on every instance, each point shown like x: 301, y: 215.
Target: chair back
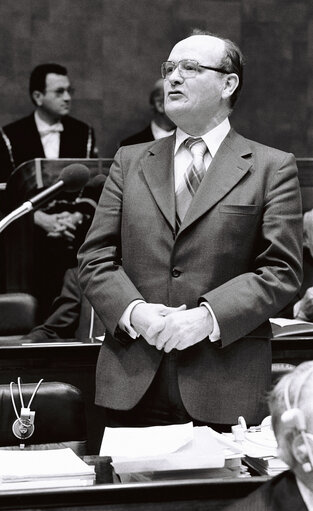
x: 59, y: 419
x: 17, y: 314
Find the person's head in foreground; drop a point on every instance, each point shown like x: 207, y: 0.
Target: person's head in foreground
x: 291, y: 407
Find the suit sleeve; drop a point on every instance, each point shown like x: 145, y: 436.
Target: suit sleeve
x: 245, y: 302
x: 102, y: 277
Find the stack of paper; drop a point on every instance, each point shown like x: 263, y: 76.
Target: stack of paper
x: 161, y: 448
x: 259, y: 449
x: 46, y: 468
x: 270, y: 466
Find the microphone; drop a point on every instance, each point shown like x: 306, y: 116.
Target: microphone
x: 72, y: 179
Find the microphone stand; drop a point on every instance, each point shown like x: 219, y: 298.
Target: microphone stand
x: 67, y: 180
x: 15, y: 214
x: 31, y: 204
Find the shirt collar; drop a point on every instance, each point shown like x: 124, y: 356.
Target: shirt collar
x: 44, y: 128
x: 159, y: 132
x: 213, y: 138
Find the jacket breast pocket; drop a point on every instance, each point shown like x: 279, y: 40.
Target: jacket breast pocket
x: 239, y: 209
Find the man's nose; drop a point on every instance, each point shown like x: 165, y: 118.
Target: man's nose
x: 67, y: 96
x: 175, y: 76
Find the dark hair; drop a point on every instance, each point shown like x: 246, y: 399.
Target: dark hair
x: 233, y: 60
x: 38, y: 75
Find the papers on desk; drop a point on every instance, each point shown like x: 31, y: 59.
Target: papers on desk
x: 270, y: 466
x: 45, y: 469
x: 282, y: 327
x: 259, y: 449
x: 161, y: 448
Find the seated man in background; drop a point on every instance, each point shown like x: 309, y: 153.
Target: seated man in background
x: 160, y: 125
x: 71, y: 316
x: 291, y: 408
x: 60, y: 226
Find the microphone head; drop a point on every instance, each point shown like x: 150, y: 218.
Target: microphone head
x: 98, y: 180
x: 74, y: 177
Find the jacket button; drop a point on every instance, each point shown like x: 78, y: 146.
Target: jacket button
x: 175, y: 272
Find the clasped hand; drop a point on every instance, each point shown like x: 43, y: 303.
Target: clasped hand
x: 59, y: 225
x: 171, y: 328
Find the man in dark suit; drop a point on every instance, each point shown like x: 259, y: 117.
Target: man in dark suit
x: 49, y: 132
x: 292, y: 419
x: 71, y: 315
x: 160, y: 125
x: 181, y: 275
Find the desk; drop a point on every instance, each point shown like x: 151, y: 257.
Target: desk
x: 292, y: 350
x: 179, y: 495
x: 76, y: 364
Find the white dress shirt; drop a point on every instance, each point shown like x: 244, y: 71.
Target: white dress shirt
x: 182, y: 155
x: 159, y: 132
x: 182, y: 160
x: 50, y: 136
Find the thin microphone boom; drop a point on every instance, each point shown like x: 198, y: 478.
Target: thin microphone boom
x: 71, y: 179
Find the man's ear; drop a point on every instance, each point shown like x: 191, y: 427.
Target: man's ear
x: 37, y: 97
x: 159, y: 105
x: 231, y: 83
x: 300, y: 452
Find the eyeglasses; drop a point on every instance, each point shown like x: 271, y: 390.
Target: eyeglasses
x: 61, y: 91
x: 187, y: 68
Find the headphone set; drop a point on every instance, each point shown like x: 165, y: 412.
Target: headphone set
x: 23, y: 427
x: 293, y: 417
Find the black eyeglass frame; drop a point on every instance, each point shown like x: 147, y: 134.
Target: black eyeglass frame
x: 197, y: 65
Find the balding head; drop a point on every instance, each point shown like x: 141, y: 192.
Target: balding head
x: 198, y: 101
x: 291, y: 407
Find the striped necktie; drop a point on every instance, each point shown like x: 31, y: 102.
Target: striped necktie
x: 192, y: 177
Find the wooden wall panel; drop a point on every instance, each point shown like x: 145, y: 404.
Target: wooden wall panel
x: 113, y: 50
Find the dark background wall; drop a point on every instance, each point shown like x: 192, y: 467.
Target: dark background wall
x: 113, y: 50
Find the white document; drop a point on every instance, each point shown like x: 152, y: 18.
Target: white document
x: 150, y: 441
x: 256, y: 444
x: 289, y: 322
x: 177, y: 447
x: 260, y: 444
x: 231, y: 449
x: 55, y: 463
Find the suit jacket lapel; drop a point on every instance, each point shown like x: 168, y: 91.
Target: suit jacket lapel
x: 34, y: 136
x: 158, y: 167
x: 227, y: 168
